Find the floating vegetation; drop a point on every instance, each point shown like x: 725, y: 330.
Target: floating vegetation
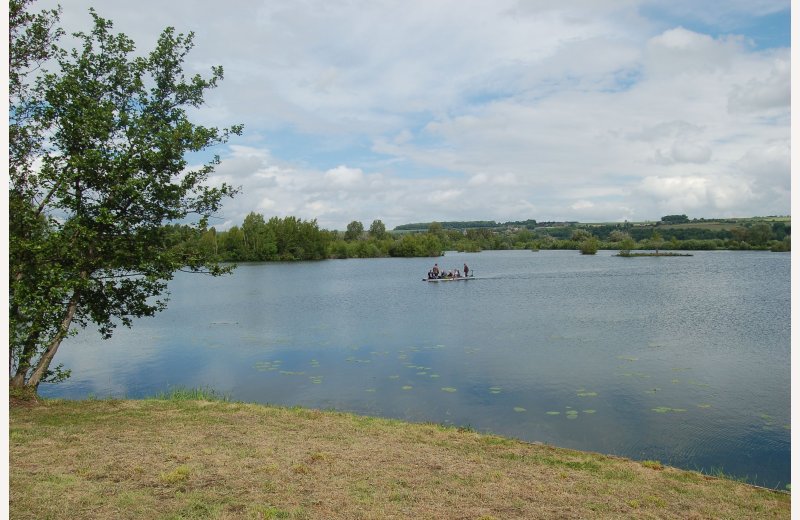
x: 394, y: 377
x: 449, y: 389
x: 553, y: 412
x: 354, y: 360
x: 587, y: 394
x: 590, y: 411
x: 495, y: 389
x: 402, y: 356
x: 652, y: 390
x: 314, y: 363
x: 435, y: 376
x: 407, y: 387
x: 628, y: 358
x: 769, y: 421
x: 267, y: 365
x: 666, y: 409
x: 422, y: 373
x: 676, y: 381
x: 572, y: 414
x: 316, y: 379
x: 680, y: 369
x: 704, y: 405
x: 292, y: 373
x: 695, y: 383
x: 370, y: 390
x: 519, y: 409
x: 640, y: 375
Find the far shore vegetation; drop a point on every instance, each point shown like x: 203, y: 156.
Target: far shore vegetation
x: 258, y: 239
x: 192, y: 454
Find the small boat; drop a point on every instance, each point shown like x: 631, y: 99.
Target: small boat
x: 449, y: 279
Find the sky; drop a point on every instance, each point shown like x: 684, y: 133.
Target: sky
x: 415, y: 111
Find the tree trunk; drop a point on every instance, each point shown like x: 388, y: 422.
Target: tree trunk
x: 47, y: 357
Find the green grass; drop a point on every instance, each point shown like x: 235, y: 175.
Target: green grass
x: 173, y: 457
x: 191, y: 394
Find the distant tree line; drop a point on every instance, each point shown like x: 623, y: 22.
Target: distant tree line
x: 291, y: 238
x: 467, y: 224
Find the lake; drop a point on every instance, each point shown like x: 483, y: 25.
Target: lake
x: 685, y: 360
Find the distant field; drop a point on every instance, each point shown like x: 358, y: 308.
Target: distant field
x: 711, y: 224
x: 714, y: 226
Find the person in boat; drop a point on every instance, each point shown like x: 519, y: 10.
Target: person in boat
x: 466, y: 270
x: 457, y: 273
x: 435, y: 271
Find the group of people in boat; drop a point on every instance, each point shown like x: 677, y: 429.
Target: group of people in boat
x: 435, y: 272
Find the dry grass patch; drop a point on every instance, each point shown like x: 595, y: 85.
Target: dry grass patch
x: 201, y: 459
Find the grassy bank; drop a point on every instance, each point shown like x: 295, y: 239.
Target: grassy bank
x: 214, y: 459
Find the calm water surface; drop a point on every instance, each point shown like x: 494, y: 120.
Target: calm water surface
x: 683, y: 360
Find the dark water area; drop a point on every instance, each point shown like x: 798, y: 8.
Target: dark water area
x: 685, y: 360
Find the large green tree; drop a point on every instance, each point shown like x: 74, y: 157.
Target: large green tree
x: 377, y: 230
x: 355, y: 230
x: 98, y: 172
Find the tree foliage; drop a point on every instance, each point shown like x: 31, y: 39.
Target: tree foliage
x: 355, y: 230
x: 87, y: 235
x: 589, y: 246
x: 377, y: 230
x: 675, y: 219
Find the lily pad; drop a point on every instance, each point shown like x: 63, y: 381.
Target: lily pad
x: 587, y: 394
x: 519, y: 409
x: 434, y: 376
x: 666, y: 409
x: 407, y: 387
x: 590, y: 411
x: 449, y: 389
x: 704, y: 405
x: 553, y: 413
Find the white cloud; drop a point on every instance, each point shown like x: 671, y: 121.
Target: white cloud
x: 690, y: 152
x: 342, y: 176
x: 758, y: 94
